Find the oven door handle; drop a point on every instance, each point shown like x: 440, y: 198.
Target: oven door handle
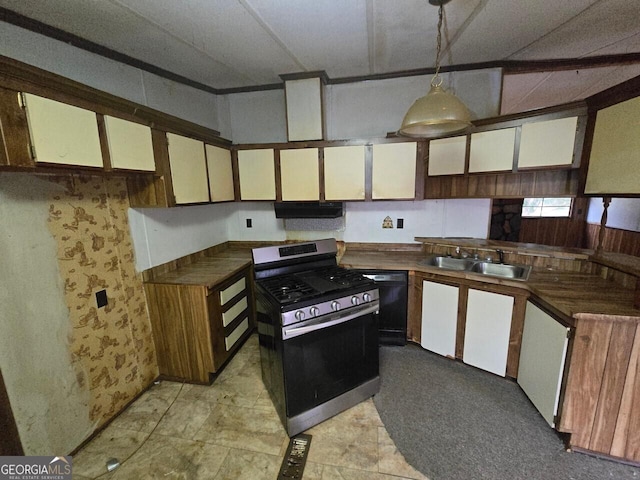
x: 333, y: 319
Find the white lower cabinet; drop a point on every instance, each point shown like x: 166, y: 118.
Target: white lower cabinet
x: 542, y: 358
x: 439, y: 318
x: 487, y: 331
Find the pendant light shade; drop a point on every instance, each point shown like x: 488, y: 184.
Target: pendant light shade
x: 437, y: 113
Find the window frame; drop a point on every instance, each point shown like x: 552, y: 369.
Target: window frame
x: 568, y: 215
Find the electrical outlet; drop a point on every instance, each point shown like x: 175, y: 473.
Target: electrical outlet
x: 400, y: 223
x: 101, y: 298
x: 249, y: 223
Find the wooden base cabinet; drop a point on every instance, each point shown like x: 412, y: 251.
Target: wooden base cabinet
x: 196, y: 328
x: 601, y: 406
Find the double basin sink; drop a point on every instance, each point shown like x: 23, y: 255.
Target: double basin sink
x: 490, y: 269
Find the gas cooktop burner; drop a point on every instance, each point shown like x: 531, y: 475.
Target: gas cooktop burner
x: 308, y: 284
x: 286, y: 288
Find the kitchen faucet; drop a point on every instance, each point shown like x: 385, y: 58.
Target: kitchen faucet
x: 500, y: 255
x: 462, y: 253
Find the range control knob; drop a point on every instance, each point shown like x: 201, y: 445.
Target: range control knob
x: 335, y: 306
x: 355, y: 300
x: 314, y: 311
x: 299, y: 315
x: 366, y: 297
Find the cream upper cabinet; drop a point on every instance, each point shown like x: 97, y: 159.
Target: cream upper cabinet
x: 299, y: 173
x: 188, y: 169
x: 492, y: 151
x: 394, y: 171
x: 447, y: 156
x: 614, y: 164
x: 220, y: 171
x: 257, y: 173
x: 62, y: 134
x: 548, y: 143
x: 130, y: 145
x: 344, y: 173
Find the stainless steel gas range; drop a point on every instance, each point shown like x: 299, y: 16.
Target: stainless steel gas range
x: 317, y: 330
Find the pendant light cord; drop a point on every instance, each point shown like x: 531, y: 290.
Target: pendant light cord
x: 436, y: 81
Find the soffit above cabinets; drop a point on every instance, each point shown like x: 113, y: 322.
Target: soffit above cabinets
x: 232, y: 44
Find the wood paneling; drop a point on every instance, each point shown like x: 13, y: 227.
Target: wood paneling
x: 552, y: 182
x: 615, y: 240
x: 180, y: 321
x: 515, y: 336
x: 414, y: 309
x: 602, y: 395
x: 556, y: 231
x: 15, y: 132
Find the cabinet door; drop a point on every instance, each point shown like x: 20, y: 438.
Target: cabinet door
x: 344, y: 173
x: 542, y: 356
x: 548, y: 143
x: 439, y: 318
x: 257, y: 174
x: 488, y: 326
x: 300, y: 174
x: 62, y: 134
x: 304, y: 109
x: 394, y: 171
x: 220, y: 174
x: 492, y: 151
x: 130, y: 146
x: 613, y: 162
x: 447, y: 156
x: 188, y: 169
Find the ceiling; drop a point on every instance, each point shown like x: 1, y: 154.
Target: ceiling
x: 227, y: 44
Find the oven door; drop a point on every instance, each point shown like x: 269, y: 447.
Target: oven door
x: 324, y: 359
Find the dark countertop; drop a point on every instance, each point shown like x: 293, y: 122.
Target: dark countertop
x: 209, y: 270
x: 564, y: 293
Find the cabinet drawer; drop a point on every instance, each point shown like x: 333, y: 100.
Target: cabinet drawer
x: 233, y: 337
x: 232, y: 290
x: 231, y: 314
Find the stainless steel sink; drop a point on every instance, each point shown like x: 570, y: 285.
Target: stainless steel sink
x: 501, y: 270
x: 514, y: 272
x: 448, y: 263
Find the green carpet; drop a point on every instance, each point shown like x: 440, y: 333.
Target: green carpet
x: 454, y: 422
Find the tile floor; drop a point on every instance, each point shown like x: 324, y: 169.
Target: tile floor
x: 231, y: 431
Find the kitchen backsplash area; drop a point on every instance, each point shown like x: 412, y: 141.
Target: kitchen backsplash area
x: 60, y: 352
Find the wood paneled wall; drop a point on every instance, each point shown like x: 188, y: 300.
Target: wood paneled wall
x: 615, y: 240
x: 560, y: 232
x: 539, y: 183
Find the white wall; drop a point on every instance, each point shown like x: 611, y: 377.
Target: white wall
x: 161, y: 235
x: 623, y: 213
x: 376, y: 107
x: 113, y: 77
x: 164, y: 234
x: 258, y: 117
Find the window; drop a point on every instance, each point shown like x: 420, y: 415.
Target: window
x: 546, y: 207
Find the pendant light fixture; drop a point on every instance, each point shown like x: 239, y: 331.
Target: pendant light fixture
x: 438, y: 113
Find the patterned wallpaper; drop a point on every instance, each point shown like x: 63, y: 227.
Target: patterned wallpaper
x: 112, y: 347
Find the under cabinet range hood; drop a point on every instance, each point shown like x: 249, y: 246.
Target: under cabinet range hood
x: 308, y: 209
